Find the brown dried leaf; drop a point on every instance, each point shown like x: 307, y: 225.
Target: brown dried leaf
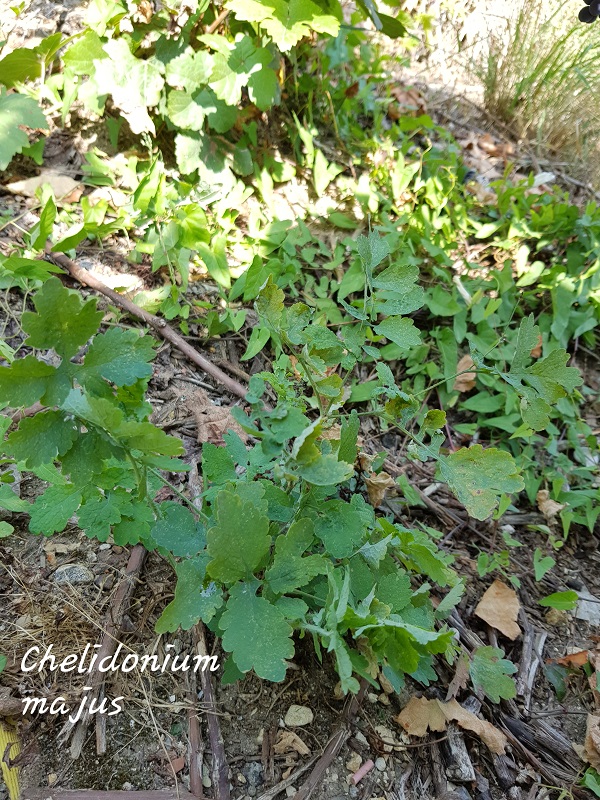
x: 466, y: 381
x: 549, y: 508
x: 591, y: 746
x: 377, y: 485
x: 212, y: 421
x: 460, y: 679
x: 290, y: 742
x: 63, y: 186
x: 578, y: 659
x: 421, y: 715
x: 488, y: 733
x: 499, y: 607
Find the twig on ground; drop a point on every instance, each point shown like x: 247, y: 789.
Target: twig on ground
x: 220, y: 768
x: 156, y: 323
x: 108, y: 645
x: 283, y: 785
x: 333, y: 747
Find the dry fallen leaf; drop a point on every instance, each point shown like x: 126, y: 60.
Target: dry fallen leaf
x: 591, y: 746
x: 549, y: 508
x: 499, y: 607
x: 466, y: 381
x: 421, y: 715
x: 460, y: 679
x: 578, y: 659
x: 290, y: 742
x: 212, y: 421
x: 377, y: 485
x: 63, y: 186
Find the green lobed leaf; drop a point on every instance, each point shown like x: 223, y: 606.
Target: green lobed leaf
x: 192, y: 602
x: 98, y: 514
x: 399, y: 330
x: 120, y: 356
x: 17, y: 111
x: 290, y: 569
x: 178, y: 531
x: 286, y: 21
x: 62, y: 322
x: 256, y: 633
x: 478, y: 477
x: 52, y: 510
x: 490, y: 671
x: 41, y: 439
x: 25, y: 381
x: 239, y: 541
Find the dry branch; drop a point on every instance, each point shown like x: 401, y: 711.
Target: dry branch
x: 156, y: 323
x: 220, y: 768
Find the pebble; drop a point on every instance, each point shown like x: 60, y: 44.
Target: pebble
x: 380, y: 764
x: 74, y: 574
x: 105, y: 546
x: 297, y: 716
x: 290, y: 791
x: 353, y: 762
x: 127, y: 787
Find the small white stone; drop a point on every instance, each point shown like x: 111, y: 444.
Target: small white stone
x: 298, y: 715
x: 290, y: 791
x: 105, y: 546
x: 354, y: 762
x: 380, y: 764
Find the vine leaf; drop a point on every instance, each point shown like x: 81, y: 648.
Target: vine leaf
x: 239, y: 541
x: 256, y: 633
x: 478, y: 477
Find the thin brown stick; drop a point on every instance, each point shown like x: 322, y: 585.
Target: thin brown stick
x: 221, y: 18
x: 108, y: 644
x: 156, y: 323
x: 282, y: 785
x: 220, y: 768
x: 333, y: 747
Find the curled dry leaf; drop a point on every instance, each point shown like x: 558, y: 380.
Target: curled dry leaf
x: 212, y: 421
x: 499, y: 607
x: 549, y: 508
x: 290, y: 742
x: 460, y: 678
x: 63, y: 186
x: 466, y: 381
x: 377, y: 485
x: 421, y: 715
x: 578, y: 659
x: 591, y: 746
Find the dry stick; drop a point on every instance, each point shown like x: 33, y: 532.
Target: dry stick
x: 282, y: 785
x: 196, y: 749
x: 156, y: 323
x: 333, y: 747
x: 108, y: 644
x: 220, y: 768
